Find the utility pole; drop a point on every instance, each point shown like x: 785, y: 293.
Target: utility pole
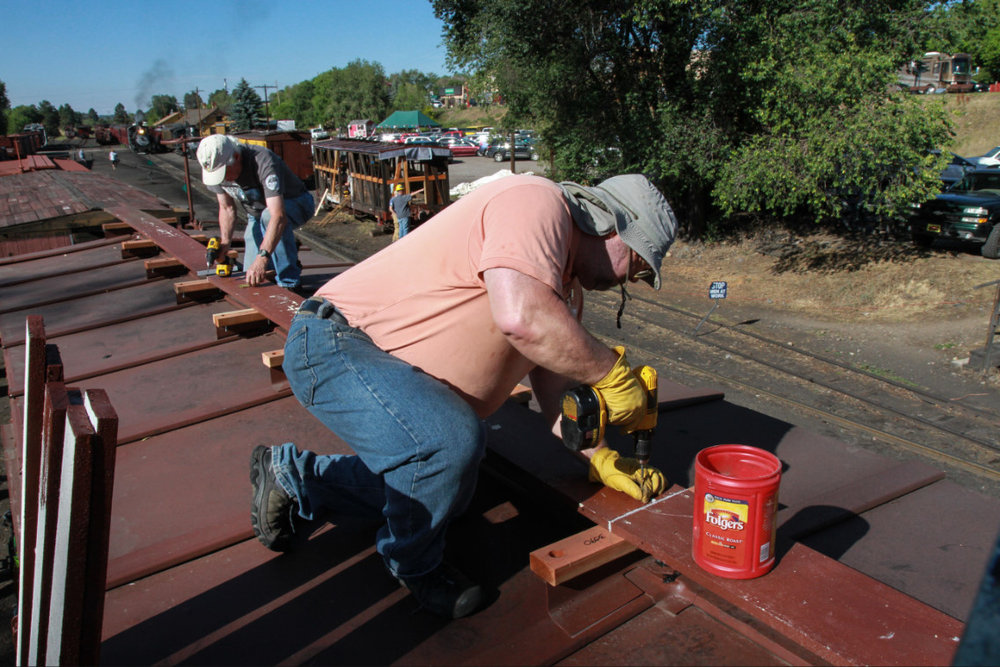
x: 267, y: 109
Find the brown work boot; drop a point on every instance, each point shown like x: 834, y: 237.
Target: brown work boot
x: 271, y: 509
x: 445, y: 591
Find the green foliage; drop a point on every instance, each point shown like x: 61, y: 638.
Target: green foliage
x: 356, y: 91
x: 246, y: 106
x: 22, y: 115
x: 295, y: 102
x: 779, y: 107
x: 50, y: 118
x: 162, y: 105
x: 92, y: 116
x: 68, y: 117
x: 192, y: 100
x: 221, y: 99
x: 120, y: 116
x: 4, y: 106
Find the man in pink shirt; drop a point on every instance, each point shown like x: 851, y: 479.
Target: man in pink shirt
x: 403, y: 355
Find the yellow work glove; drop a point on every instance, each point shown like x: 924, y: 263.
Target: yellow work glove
x: 625, y: 475
x: 623, y: 395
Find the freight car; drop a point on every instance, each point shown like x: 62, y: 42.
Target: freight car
x: 138, y: 137
x: 292, y: 146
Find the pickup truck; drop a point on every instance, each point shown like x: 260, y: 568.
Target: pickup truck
x: 968, y: 211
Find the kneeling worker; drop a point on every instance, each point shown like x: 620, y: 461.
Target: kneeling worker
x: 403, y: 356
x: 276, y: 203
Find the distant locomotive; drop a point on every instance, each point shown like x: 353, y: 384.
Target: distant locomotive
x: 139, y: 137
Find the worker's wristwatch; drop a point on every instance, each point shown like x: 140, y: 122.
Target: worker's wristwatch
x: 264, y: 253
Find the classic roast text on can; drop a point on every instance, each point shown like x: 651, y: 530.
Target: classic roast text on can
x: 735, y: 500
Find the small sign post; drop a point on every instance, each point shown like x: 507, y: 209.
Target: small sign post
x: 716, y: 292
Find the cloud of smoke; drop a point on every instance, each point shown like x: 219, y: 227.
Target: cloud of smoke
x: 158, y: 74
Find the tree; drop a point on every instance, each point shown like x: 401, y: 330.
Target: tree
x: 221, y: 99
x: 763, y: 105
x: 246, y: 106
x: 68, y: 117
x: 120, y: 115
x: 50, y: 118
x: 162, y: 105
x: 4, y: 106
x: 92, y: 116
x: 295, y: 102
x: 22, y: 115
x: 349, y: 93
x: 192, y: 100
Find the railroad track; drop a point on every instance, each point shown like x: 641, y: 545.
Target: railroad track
x: 900, y: 415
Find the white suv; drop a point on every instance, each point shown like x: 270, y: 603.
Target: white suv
x: 318, y: 133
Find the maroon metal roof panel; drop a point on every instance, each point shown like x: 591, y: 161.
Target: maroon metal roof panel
x: 201, y: 473
x: 71, y: 259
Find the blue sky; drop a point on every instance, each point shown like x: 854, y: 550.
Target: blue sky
x: 96, y: 54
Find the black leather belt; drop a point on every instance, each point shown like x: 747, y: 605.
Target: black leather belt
x: 323, y: 309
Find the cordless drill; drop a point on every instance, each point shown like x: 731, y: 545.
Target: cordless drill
x: 585, y: 417
x: 225, y: 267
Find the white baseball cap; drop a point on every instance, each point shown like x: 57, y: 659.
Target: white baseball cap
x: 215, y: 153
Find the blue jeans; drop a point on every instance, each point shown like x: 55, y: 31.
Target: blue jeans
x: 404, y: 227
x: 284, y: 258
x: 418, y: 444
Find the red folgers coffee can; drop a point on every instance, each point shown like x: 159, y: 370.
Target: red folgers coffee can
x: 735, y: 500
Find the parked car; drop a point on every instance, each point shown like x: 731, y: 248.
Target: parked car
x: 956, y: 169
x: 318, y: 133
x: 420, y: 141
x: 523, y: 150
x: 990, y: 158
x: 463, y: 148
x: 968, y: 211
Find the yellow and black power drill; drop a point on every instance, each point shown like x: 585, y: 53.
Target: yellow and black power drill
x: 225, y: 267
x: 585, y: 417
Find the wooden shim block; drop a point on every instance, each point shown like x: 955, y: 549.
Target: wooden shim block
x: 273, y: 359
x: 139, y: 247
x: 521, y: 394
x: 236, y: 318
x: 561, y: 561
x: 187, y: 290
x: 165, y: 266
x: 116, y: 228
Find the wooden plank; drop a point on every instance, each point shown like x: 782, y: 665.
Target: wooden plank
x: 105, y: 422
x: 66, y: 616
x: 570, y: 557
x: 56, y: 404
x: 34, y: 405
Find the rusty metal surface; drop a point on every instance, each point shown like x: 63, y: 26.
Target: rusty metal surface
x: 137, y: 341
x: 201, y: 473
x: 55, y: 289
x: 98, y: 254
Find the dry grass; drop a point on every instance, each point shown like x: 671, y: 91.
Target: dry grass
x: 832, y: 278
x: 977, y: 121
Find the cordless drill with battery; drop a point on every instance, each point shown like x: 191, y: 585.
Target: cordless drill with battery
x: 585, y: 417
x: 225, y: 266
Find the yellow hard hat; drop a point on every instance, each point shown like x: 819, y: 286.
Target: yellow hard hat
x: 399, y: 186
